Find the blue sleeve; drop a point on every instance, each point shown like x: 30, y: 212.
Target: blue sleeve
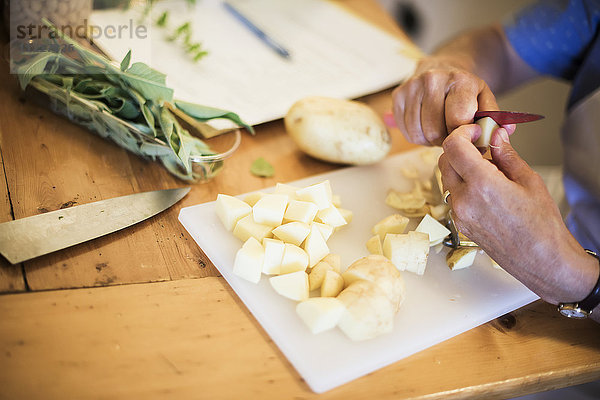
x: 553, y: 36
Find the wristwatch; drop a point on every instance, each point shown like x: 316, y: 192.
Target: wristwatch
x: 583, y: 308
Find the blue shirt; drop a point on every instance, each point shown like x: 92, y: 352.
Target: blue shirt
x: 561, y: 38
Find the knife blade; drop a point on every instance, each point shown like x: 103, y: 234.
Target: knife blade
x: 30, y: 237
x: 508, y: 117
x: 499, y: 117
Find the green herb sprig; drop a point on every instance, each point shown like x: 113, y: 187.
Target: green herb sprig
x: 183, y: 34
x: 127, y: 103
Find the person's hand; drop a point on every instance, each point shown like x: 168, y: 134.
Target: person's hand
x: 505, y: 207
x: 438, y: 99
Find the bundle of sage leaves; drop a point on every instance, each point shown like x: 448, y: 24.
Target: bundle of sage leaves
x: 127, y: 103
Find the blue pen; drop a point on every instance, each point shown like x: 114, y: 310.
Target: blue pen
x: 257, y: 31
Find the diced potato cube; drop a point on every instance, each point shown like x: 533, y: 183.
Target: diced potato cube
x: 246, y: 228
x: 284, y: 188
x: 269, y: 209
x: 320, y: 313
x: 436, y: 231
x: 294, y: 286
x: 408, y: 252
x: 326, y: 230
x: 420, y: 252
x: 230, y: 210
x: 320, y: 194
x: 249, y: 261
x: 315, y: 246
x: 294, y: 259
x: 301, y: 211
x: 317, y: 274
x: 461, y: 258
x: 273, y: 256
x: 292, y: 232
x: 394, y: 223
x: 252, y: 198
x: 374, y: 245
x: 331, y: 216
x: 332, y: 285
x: 335, y: 260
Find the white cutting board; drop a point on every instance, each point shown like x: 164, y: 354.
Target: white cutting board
x: 439, y: 305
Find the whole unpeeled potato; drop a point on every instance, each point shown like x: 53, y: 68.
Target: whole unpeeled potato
x: 338, y: 131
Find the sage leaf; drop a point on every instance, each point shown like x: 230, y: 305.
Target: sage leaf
x: 143, y: 71
x: 126, y: 61
x: 205, y: 113
x: 262, y: 168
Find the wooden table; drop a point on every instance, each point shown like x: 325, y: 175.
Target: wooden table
x: 143, y: 313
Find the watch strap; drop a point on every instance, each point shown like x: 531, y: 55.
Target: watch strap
x: 593, y: 299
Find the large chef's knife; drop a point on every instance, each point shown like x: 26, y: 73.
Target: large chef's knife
x: 34, y: 236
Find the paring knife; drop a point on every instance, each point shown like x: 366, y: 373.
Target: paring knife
x: 499, y: 117
x: 30, y: 237
x: 508, y: 117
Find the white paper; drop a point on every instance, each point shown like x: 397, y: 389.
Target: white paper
x: 333, y: 53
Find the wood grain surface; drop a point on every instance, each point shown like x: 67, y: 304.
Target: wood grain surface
x: 194, y: 339
x: 11, y: 276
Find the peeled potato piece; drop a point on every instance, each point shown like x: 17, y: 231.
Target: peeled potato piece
x: 461, y: 258
x: 332, y: 285
x: 317, y: 274
x: 488, y: 126
x: 320, y: 313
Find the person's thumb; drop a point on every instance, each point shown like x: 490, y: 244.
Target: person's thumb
x: 506, y: 157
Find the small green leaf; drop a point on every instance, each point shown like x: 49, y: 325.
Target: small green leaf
x: 199, y: 55
x: 144, y: 71
x: 206, y: 113
x: 162, y: 20
x: 261, y: 167
x: 126, y: 61
x: 149, y: 82
x: 184, y: 28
